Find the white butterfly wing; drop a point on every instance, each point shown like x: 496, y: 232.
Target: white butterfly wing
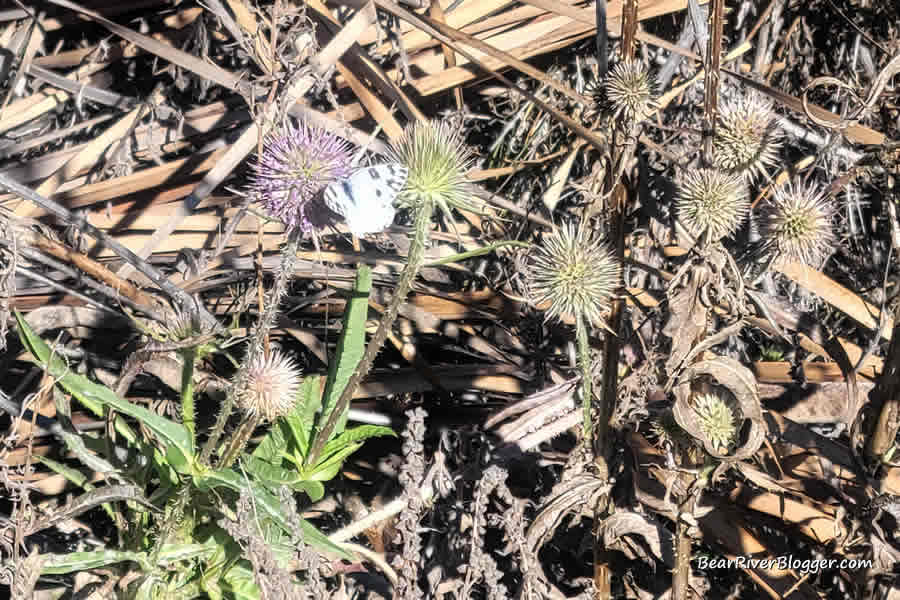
x: 366, y: 198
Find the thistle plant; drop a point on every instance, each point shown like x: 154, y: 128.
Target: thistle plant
x: 572, y: 272
x: 798, y: 225
x: 437, y: 161
x: 191, y: 502
x: 747, y: 138
x: 271, y: 387
x: 296, y: 164
x: 712, y: 203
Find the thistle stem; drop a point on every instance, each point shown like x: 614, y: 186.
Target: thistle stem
x: 189, y: 355
x: 414, y: 262
x: 238, y: 441
x: 584, y: 364
x: 266, y: 319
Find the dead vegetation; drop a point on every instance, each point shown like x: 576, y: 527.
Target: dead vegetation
x: 688, y: 218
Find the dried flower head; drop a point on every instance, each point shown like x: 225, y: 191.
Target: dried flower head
x: 186, y: 325
x: 296, y: 164
x: 747, y: 138
x: 628, y: 92
x: 573, y: 273
x: 189, y: 326
x: 798, y: 224
x: 437, y: 160
x: 717, y: 420
x: 712, y: 203
x: 270, y: 386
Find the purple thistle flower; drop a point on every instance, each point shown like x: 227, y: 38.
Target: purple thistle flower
x: 296, y: 164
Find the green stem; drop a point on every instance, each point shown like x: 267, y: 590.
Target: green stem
x: 584, y: 363
x: 238, y: 441
x: 189, y: 355
x: 414, y: 262
x: 266, y: 319
x: 455, y: 258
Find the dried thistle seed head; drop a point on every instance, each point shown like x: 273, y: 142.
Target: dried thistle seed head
x: 269, y: 387
x: 437, y: 159
x: 717, y: 420
x: 711, y: 203
x: 628, y: 93
x: 573, y: 273
x: 296, y: 164
x: 747, y: 138
x: 798, y: 224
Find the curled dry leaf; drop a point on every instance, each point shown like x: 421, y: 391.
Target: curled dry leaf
x: 577, y: 495
x: 737, y: 379
x: 657, y: 539
x: 687, y: 318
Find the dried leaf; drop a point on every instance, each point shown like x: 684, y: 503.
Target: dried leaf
x: 574, y: 496
x: 656, y: 538
x: 738, y: 380
x: 687, y: 320
x: 26, y: 576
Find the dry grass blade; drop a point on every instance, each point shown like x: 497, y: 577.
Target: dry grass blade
x: 89, y: 266
x: 176, y: 293
x: 170, y: 54
x: 356, y: 61
x: 507, y: 59
x: 838, y: 296
x: 568, y: 122
x: 89, y: 155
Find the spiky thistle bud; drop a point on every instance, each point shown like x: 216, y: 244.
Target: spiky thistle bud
x: 711, y: 203
x: 717, y: 421
x: 269, y: 387
x: 296, y: 164
x: 798, y: 224
x: 747, y: 138
x: 572, y: 272
x: 437, y: 159
x: 627, y: 95
x: 189, y: 326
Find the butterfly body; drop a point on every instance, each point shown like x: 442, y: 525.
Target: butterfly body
x: 366, y: 198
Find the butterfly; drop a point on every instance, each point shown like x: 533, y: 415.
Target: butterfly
x: 366, y: 198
